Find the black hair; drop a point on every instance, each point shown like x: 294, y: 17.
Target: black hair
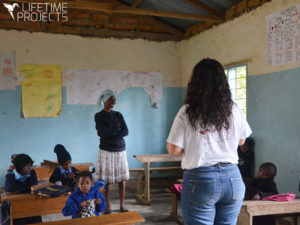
x: 20, y: 161
x: 269, y: 169
x: 208, y: 96
x: 84, y: 173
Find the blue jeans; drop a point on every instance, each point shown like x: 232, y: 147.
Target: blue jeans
x: 212, y: 195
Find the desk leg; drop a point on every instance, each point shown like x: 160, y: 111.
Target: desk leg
x: 147, y: 182
x: 145, y: 197
x: 244, y: 217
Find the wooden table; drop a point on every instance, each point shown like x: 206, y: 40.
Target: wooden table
x: 44, y: 172
x: 147, y: 159
x: 125, y: 218
x: 27, y: 205
x: 261, y: 208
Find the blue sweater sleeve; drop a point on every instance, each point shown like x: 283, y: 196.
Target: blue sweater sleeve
x: 124, y: 130
x: 102, y: 206
x: 10, y: 182
x: 71, y: 208
x: 102, y: 130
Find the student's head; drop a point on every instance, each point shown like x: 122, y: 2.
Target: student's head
x: 63, y: 157
x: 85, y: 181
x: 267, y: 170
x: 208, y: 96
x: 248, y: 145
x: 23, y: 163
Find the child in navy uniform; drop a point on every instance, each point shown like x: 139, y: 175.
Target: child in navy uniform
x: 18, y: 180
x: 86, y: 200
x: 262, y: 186
x: 65, y: 174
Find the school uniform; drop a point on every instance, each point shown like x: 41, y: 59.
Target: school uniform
x: 60, y: 174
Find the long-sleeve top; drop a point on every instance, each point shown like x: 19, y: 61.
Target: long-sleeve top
x: 111, y: 128
x: 246, y: 162
x: 73, y: 208
x: 63, y: 177
x: 14, y: 185
x: 263, y: 187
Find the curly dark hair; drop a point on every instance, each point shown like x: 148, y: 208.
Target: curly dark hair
x: 269, y: 169
x: 208, y: 96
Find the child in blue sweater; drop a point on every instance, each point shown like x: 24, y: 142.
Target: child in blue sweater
x: 86, y: 200
x: 65, y: 174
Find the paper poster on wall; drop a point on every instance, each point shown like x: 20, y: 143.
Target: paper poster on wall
x: 41, y: 90
x: 85, y: 86
x: 283, y: 37
x: 7, y: 71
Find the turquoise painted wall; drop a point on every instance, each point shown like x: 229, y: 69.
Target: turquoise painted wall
x: 75, y: 127
x: 273, y: 113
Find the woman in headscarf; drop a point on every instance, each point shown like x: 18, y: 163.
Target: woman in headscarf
x: 112, y: 164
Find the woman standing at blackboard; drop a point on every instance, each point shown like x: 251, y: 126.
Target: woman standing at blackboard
x: 112, y: 164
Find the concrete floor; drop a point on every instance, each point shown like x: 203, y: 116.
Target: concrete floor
x: 156, y: 213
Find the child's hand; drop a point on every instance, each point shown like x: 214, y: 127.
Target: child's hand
x: 256, y: 197
x: 83, y: 204
x: 97, y: 201
x: 71, y: 175
x: 11, y: 168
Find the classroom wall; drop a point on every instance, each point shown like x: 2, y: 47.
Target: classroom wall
x: 75, y: 128
x: 272, y: 91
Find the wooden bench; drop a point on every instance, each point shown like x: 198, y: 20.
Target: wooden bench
x: 44, y: 172
x: 143, y: 194
x: 112, y: 219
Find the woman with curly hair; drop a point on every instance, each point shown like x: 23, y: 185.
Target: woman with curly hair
x: 206, y: 133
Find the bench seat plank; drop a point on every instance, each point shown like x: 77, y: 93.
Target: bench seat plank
x: 112, y: 219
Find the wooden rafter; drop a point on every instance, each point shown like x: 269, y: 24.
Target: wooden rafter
x: 178, y: 33
x: 205, y: 7
x: 136, y: 3
x: 85, y: 31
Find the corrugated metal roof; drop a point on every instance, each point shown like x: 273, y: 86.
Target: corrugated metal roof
x: 181, y: 6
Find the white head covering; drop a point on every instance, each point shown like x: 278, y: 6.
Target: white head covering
x: 106, y: 94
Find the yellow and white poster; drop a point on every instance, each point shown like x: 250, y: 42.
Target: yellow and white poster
x: 41, y: 90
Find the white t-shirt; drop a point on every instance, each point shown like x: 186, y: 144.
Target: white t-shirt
x: 204, y: 147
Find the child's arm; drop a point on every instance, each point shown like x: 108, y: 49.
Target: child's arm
x: 270, y: 189
x: 71, y: 208
x: 100, y: 202
x: 10, y: 183
x: 55, y: 176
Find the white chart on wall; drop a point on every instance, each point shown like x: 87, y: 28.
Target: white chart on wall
x: 85, y: 86
x: 7, y: 71
x: 283, y: 37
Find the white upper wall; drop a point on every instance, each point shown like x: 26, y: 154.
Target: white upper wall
x: 242, y: 39
x: 77, y: 52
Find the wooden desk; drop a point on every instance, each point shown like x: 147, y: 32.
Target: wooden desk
x: 27, y: 205
x: 112, y: 219
x: 44, y: 172
x: 147, y: 159
x: 261, y: 208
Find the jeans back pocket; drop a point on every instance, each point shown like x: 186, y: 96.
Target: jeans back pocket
x: 201, y: 192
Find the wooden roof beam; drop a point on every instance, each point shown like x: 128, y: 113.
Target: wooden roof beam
x: 205, y: 8
x: 136, y: 3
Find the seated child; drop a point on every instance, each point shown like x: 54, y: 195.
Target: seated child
x: 19, y: 179
x: 262, y: 186
x: 246, y: 158
x: 65, y: 174
x: 86, y: 200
